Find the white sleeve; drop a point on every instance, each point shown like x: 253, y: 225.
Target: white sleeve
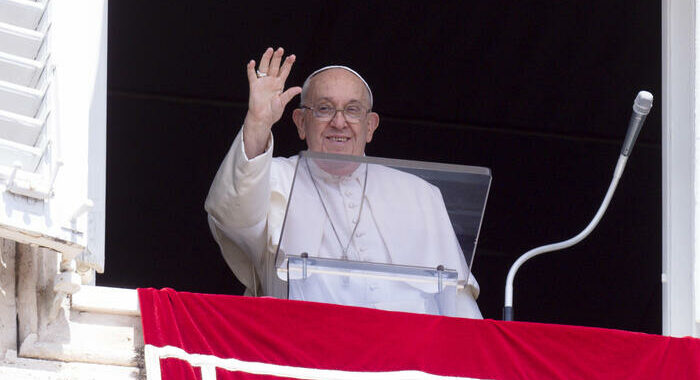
x: 238, y: 201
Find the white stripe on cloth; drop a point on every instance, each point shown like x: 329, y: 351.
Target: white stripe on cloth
x: 209, y: 363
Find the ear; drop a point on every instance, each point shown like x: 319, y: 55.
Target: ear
x: 372, y: 124
x: 298, y: 117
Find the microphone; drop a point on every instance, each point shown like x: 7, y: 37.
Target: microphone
x: 640, y: 110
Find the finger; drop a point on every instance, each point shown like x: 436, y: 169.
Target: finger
x: 250, y: 70
x: 287, y: 66
x: 275, y: 62
x: 265, y: 60
x: 288, y: 95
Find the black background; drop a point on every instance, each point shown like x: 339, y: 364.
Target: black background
x: 538, y: 91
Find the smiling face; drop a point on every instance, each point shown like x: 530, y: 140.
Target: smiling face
x: 337, y: 88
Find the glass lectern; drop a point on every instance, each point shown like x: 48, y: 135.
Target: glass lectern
x: 389, y: 234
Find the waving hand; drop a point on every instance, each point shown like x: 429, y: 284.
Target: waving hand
x: 267, y: 98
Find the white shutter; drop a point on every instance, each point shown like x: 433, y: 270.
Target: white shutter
x: 53, y: 125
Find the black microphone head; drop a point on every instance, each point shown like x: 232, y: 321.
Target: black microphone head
x: 643, y: 102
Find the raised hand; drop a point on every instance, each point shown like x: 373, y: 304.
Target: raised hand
x: 267, y: 98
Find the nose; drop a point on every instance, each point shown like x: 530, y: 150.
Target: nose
x: 338, y: 120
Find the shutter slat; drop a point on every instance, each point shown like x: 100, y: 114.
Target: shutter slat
x: 20, y: 41
x: 20, y: 99
x: 22, y: 13
x: 26, y: 155
x: 19, y: 70
x: 21, y: 129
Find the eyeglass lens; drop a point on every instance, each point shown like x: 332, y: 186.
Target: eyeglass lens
x: 352, y: 112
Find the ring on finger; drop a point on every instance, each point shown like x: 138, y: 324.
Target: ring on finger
x: 260, y: 74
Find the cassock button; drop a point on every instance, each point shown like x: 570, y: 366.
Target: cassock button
x: 352, y: 205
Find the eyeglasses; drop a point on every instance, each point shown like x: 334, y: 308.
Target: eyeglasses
x: 353, y: 113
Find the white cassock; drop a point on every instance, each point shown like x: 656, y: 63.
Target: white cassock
x: 403, y: 221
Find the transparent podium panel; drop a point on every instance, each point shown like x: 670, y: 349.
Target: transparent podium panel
x: 363, y: 221
x: 377, y: 286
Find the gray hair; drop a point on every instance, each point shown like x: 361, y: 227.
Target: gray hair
x: 305, y: 87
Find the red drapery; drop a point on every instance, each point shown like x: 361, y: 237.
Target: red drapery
x: 319, y: 336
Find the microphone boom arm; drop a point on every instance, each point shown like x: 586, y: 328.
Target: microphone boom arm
x: 642, y: 105
x: 508, y: 308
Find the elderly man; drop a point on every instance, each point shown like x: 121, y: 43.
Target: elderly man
x: 249, y: 195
